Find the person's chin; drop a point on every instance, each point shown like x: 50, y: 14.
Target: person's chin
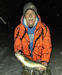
x: 30, y: 25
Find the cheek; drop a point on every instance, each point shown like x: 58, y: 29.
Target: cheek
x: 27, y: 20
x: 34, y: 19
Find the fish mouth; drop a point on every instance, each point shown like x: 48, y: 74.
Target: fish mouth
x: 20, y: 52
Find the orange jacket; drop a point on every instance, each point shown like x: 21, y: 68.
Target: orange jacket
x: 41, y: 43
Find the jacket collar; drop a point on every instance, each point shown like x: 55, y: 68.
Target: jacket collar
x: 39, y: 19
x: 25, y: 24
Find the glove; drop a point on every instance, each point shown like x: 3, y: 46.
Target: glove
x: 44, y: 63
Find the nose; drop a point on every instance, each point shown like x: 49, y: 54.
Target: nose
x: 30, y: 15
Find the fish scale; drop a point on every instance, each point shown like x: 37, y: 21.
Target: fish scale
x: 29, y: 63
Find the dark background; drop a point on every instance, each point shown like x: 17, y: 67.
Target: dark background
x: 12, y: 10
x: 49, y: 10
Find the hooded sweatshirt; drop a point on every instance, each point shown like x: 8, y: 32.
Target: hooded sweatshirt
x: 31, y: 32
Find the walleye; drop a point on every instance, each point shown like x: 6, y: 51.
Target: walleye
x: 29, y: 63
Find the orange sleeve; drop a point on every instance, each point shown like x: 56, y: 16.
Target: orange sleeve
x: 17, y: 41
x: 47, y: 47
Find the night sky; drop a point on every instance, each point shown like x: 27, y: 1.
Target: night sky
x: 50, y: 12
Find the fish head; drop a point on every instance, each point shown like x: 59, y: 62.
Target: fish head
x: 20, y: 52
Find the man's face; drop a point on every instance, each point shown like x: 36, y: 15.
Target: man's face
x: 30, y: 17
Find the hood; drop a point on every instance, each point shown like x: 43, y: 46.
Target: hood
x: 39, y: 19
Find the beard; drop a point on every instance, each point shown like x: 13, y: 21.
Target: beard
x: 30, y: 26
x: 30, y: 23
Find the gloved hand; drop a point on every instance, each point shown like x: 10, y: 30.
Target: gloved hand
x: 44, y: 63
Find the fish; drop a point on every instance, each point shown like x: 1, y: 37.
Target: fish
x: 29, y: 63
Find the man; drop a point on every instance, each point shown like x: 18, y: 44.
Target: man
x: 32, y: 37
